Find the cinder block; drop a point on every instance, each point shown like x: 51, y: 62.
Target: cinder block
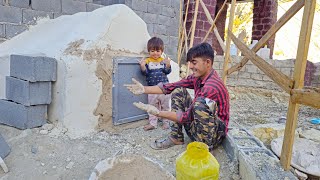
x: 19, y: 3
x: 10, y: 14
x: 261, y: 164
x: 28, y: 93
x: 4, y: 148
x: 33, y: 68
x: 20, y: 116
x: 46, y: 5
x: 31, y: 16
x: 13, y: 30
x: 92, y: 7
x: 2, y: 31
x: 140, y: 5
x: 165, y: 2
x: 72, y: 7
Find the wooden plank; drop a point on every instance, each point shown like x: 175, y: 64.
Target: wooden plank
x: 274, y: 28
x: 299, y: 72
x: 228, y: 42
x: 181, y: 31
x: 194, y: 22
x: 213, y: 25
x: 220, y: 40
x: 206, y: 11
x: 278, y: 77
x: 309, y: 97
x: 184, y: 34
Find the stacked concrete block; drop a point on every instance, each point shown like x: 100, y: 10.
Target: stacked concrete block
x: 28, y: 91
x: 4, y: 148
x: 254, y: 159
x: 33, y: 69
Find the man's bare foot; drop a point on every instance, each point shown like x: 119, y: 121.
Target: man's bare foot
x: 148, y: 127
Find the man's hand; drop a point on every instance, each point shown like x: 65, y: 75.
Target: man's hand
x: 137, y: 88
x: 147, y: 107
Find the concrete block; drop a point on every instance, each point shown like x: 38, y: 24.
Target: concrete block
x: 2, y: 31
x: 160, y: 29
x: 46, y: 5
x: 175, y: 4
x: 261, y: 164
x: 164, y: 20
x: 89, y: 1
x: 4, y: 148
x: 28, y: 93
x: 238, y: 139
x: 31, y: 16
x: 165, y: 2
x: 10, y: 14
x: 20, y: 116
x: 19, y: 3
x: 72, y: 7
x: 13, y: 30
x: 149, y: 17
x: 150, y: 28
x: 33, y: 68
x: 154, y: 8
x: 140, y: 5
x: 128, y: 3
x: 168, y: 11
x: 92, y: 7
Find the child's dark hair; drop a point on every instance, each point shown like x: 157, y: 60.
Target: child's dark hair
x: 203, y: 50
x: 155, y: 43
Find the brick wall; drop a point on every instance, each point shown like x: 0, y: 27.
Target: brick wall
x: 202, y: 25
x: 250, y: 75
x: 161, y: 16
x: 220, y: 24
x: 264, y: 16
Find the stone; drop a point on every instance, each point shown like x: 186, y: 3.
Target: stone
x: 267, y: 132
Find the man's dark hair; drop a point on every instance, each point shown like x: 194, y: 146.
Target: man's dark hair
x: 203, y: 50
x: 155, y: 43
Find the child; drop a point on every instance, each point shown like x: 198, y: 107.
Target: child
x: 156, y: 68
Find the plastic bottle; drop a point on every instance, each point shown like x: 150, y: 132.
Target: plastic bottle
x: 197, y: 163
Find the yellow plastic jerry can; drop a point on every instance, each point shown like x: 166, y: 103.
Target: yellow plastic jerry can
x: 197, y: 163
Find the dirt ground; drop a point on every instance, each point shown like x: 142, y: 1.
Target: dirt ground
x: 36, y: 154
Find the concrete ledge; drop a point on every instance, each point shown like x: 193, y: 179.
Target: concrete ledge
x: 254, y: 159
x: 33, y: 69
x: 28, y: 93
x: 20, y: 116
x: 4, y: 148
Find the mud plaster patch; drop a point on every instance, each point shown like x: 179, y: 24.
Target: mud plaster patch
x: 104, y: 70
x: 74, y: 48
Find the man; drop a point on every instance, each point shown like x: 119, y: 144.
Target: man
x: 205, y: 118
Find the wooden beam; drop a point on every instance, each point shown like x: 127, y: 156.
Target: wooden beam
x: 206, y: 11
x: 309, y: 97
x: 299, y: 72
x: 213, y: 25
x: 220, y: 40
x: 194, y: 22
x: 181, y: 32
x: 278, y: 77
x: 274, y: 28
x: 228, y: 42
